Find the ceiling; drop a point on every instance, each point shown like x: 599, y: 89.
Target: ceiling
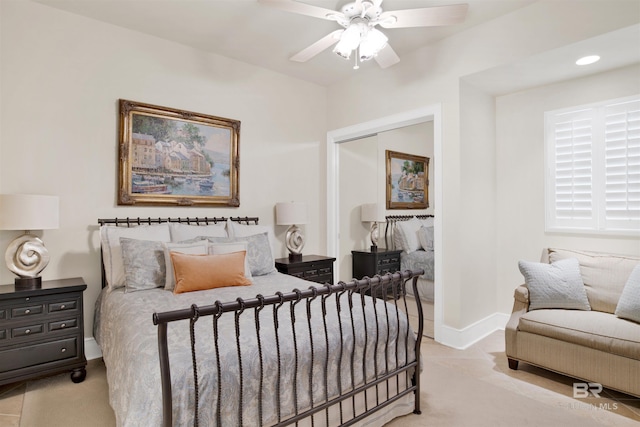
x: 256, y: 34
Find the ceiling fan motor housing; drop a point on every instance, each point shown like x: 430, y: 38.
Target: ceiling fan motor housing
x: 353, y: 10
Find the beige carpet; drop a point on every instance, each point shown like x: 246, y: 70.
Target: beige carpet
x: 472, y: 387
x: 58, y: 402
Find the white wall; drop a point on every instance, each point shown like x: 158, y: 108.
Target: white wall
x: 59, y: 128
x: 477, y: 201
x: 358, y: 176
x: 432, y: 75
x: 520, y: 170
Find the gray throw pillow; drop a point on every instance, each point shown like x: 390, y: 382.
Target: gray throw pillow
x: 629, y: 303
x: 556, y: 285
x: 144, y: 266
x: 261, y: 260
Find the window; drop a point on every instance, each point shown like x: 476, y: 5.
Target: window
x: 593, y: 168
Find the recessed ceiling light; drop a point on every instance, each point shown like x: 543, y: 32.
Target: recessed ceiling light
x: 586, y: 60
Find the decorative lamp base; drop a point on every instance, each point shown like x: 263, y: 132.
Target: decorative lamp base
x: 295, y: 257
x: 28, y: 282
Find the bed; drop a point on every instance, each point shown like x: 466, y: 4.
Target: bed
x: 277, y: 351
x: 413, y: 234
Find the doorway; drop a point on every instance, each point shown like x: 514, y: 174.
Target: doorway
x: 339, y: 245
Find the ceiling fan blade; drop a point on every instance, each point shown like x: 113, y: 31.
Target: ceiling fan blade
x: 387, y: 57
x: 301, y: 8
x: 317, y: 47
x: 425, y: 17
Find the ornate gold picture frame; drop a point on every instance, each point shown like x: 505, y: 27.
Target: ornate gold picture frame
x: 407, y: 181
x: 173, y: 157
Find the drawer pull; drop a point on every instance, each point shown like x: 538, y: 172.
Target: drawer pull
x: 27, y: 299
x: 27, y: 311
x: 27, y: 332
x: 64, y: 325
x: 63, y: 350
x: 61, y: 306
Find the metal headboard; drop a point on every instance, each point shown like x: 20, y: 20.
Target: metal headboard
x: 390, y: 227
x: 129, y: 222
x: 133, y: 222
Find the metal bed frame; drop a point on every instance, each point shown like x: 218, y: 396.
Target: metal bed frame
x: 393, y: 284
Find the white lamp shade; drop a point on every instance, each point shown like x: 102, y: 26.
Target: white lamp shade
x: 369, y: 212
x: 373, y: 43
x: 290, y: 213
x: 28, y: 212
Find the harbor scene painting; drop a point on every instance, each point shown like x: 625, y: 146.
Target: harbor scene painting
x: 407, y: 181
x: 186, y: 160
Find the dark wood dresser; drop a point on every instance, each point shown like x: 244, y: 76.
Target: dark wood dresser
x: 315, y: 268
x: 42, y: 331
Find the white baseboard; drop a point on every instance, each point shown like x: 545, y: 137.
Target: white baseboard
x: 463, y: 338
x: 91, y: 349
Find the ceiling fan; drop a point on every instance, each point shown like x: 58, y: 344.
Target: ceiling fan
x: 359, y: 20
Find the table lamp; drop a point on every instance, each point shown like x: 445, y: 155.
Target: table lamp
x: 292, y: 213
x: 26, y: 256
x: 369, y: 213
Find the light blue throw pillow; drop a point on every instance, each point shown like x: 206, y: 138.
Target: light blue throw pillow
x: 261, y: 260
x: 629, y: 303
x: 144, y: 266
x: 556, y: 285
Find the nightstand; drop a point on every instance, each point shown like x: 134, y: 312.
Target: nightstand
x: 315, y: 268
x: 370, y: 263
x: 42, y: 331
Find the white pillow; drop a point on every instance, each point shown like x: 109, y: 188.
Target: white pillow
x: 112, y: 251
x: 236, y: 230
x: 629, y: 303
x: 408, y: 234
x: 425, y: 236
x: 427, y: 222
x: 227, y: 248
x: 555, y: 285
x: 201, y: 247
x: 181, y: 232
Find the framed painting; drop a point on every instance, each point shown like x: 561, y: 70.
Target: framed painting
x: 172, y: 157
x: 407, y: 181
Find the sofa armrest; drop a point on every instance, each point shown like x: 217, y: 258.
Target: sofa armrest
x: 520, y: 307
x: 521, y: 294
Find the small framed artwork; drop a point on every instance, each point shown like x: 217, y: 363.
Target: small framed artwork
x: 172, y: 157
x: 407, y: 181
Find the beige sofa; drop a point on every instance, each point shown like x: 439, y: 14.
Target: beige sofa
x: 594, y: 346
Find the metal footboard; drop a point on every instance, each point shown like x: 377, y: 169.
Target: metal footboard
x: 348, y: 298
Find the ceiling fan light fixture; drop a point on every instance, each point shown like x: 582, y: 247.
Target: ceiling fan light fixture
x: 372, y: 43
x: 349, y: 41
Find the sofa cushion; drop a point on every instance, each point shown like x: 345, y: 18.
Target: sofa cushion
x: 556, y: 285
x: 594, y: 329
x: 604, y: 275
x: 629, y: 303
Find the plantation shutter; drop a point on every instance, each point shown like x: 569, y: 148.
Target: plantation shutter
x: 622, y: 165
x: 593, y: 168
x: 571, y: 171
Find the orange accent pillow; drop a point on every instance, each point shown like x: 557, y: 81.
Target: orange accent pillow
x: 200, y: 272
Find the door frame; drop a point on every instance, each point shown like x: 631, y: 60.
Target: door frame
x: 361, y: 130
